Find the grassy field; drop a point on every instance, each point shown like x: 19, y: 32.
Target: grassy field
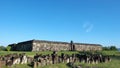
x: 115, y: 63
x: 33, y: 53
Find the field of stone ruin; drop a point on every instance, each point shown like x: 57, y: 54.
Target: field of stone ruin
x: 62, y: 59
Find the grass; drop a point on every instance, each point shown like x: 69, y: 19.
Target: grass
x: 61, y: 65
x: 19, y: 66
x: 33, y: 53
x: 115, y: 63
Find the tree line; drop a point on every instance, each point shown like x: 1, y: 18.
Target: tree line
x: 109, y: 48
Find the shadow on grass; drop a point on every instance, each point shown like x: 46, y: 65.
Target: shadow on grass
x: 80, y: 65
x: 116, y: 57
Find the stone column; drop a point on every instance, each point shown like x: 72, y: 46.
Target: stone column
x: 71, y: 45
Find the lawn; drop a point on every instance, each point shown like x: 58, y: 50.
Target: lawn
x: 33, y: 53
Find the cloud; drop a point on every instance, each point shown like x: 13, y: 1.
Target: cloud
x: 88, y: 27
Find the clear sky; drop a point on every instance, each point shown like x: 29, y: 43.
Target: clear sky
x: 84, y: 21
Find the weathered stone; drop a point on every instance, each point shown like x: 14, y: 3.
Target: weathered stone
x: 24, y: 59
x: 40, y: 45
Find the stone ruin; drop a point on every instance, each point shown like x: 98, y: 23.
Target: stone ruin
x: 40, y: 60
x: 41, y: 45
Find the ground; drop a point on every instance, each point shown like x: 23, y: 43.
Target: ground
x: 115, y: 63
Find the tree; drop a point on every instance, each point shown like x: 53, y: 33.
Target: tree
x: 2, y: 48
x: 110, y: 48
x: 8, y: 48
x: 106, y: 48
x: 113, y: 48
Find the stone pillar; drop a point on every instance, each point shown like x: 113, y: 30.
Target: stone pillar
x: 71, y: 45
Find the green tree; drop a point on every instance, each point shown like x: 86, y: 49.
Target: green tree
x: 2, y: 48
x: 106, y: 48
x: 110, y: 48
x: 8, y: 48
x: 113, y: 48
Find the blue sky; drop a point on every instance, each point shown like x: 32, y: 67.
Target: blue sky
x: 84, y: 21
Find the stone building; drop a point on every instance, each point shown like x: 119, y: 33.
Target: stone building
x: 42, y: 45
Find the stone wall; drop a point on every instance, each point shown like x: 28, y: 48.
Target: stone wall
x: 49, y: 46
x: 22, y: 46
x: 88, y: 47
x: 40, y: 45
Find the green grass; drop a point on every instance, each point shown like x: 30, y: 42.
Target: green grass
x: 33, y: 53
x: 50, y: 52
x: 115, y: 63
x: 18, y: 66
x: 61, y: 65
